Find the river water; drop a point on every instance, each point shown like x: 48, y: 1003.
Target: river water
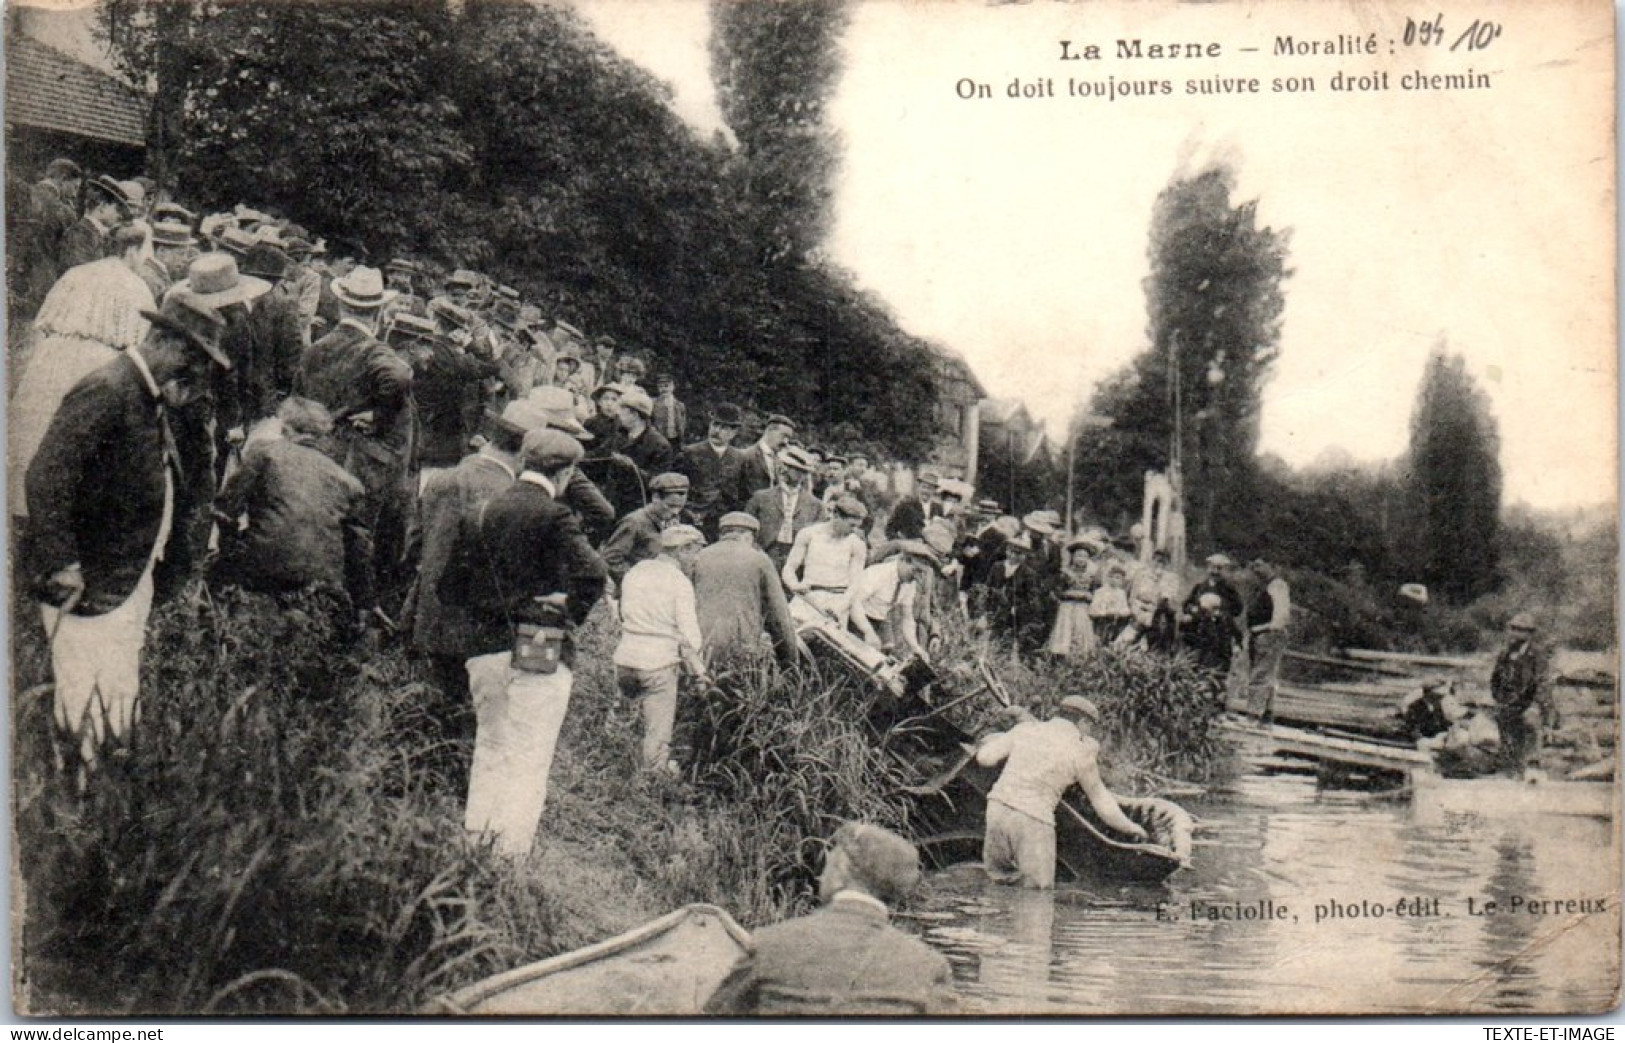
x: 1400, y: 889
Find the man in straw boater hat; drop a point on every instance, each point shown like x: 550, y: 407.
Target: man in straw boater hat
x: 1042, y: 760
x: 215, y: 279
x: 529, y: 576
x: 444, y: 629
x: 845, y: 959
x: 105, y: 490
x: 368, y: 389
x: 660, y: 635
x: 106, y: 205
x: 786, y: 507
x: 740, y: 594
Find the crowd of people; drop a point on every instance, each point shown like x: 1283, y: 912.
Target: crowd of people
x: 218, y: 394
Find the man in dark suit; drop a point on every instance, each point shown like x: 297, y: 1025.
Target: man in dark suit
x: 637, y: 536
x: 526, y: 569
x: 786, y: 507
x: 712, y: 467
x: 105, y: 206
x: 106, y: 492
x: 368, y: 389
x: 38, y: 246
x: 760, y: 467
x: 845, y: 959
x: 442, y: 631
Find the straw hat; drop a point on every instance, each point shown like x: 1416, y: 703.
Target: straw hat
x: 363, y: 289
x: 214, y: 278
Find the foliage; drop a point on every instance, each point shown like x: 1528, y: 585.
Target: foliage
x: 260, y: 844
x: 1452, y: 479
x: 1214, y: 304
x: 506, y: 137
x: 775, y: 64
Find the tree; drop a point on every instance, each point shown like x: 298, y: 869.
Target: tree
x: 1214, y: 303
x: 775, y: 64
x: 1452, y: 480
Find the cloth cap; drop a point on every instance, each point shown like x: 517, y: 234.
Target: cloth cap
x: 882, y: 863
x: 851, y: 507
x: 674, y: 536
x: 1416, y: 592
x: 919, y: 550
x: 522, y: 416
x: 739, y: 520
x: 1039, y: 522
x: 796, y: 459
x: 450, y: 312
x: 638, y: 400
x: 930, y: 479
x: 195, y: 319
x: 1522, y: 621
x: 669, y: 482
x: 781, y: 421
x: 545, y: 449
x: 560, y: 407
x: 363, y: 289
x: 214, y: 278
x: 1221, y: 560
x: 1081, y: 707
x: 236, y: 240
x: 619, y: 389
x: 173, y: 212
x: 957, y: 487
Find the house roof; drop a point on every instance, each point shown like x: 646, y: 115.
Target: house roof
x: 49, y: 90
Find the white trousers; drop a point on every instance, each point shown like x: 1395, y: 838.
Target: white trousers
x: 96, y: 662
x: 517, y: 720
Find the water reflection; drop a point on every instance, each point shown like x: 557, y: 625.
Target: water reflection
x: 1371, y: 906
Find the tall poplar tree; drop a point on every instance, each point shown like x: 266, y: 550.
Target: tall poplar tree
x: 1452, y: 478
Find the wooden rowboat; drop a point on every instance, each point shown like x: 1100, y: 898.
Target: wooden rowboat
x: 950, y: 814
x: 668, y: 966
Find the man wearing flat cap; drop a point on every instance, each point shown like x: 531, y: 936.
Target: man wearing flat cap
x: 760, y: 467
x: 637, y: 439
x: 786, y: 507
x: 105, y: 491
x: 1522, y: 690
x: 846, y: 958
x: 712, y: 467
x: 521, y: 564
x: 1042, y: 760
x: 660, y: 636
x: 740, y: 594
x: 637, y: 536
x: 883, y: 606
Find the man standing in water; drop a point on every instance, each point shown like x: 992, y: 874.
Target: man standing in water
x: 1041, y: 760
x: 1518, y: 683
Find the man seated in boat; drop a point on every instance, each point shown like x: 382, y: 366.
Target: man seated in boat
x: 1464, y: 742
x: 1042, y: 760
x: 846, y: 958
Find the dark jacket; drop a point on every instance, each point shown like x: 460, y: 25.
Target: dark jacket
x: 592, y: 508
x: 96, y: 489
x: 907, y: 519
x: 739, y: 594
x: 525, y: 545
x: 844, y: 959
x: 447, y: 385
x: 277, y: 341
x: 353, y: 373
x: 450, y: 501
x: 305, y: 524
x: 713, y: 481
x: 82, y: 243
x: 650, y: 451
x: 636, y: 538
x: 767, y: 507
x: 753, y: 474
x: 1227, y: 592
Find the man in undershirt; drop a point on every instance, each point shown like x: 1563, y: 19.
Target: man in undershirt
x: 826, y: 562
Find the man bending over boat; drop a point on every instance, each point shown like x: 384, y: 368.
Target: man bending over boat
x: 844, y: 959
x: 1042, y: 759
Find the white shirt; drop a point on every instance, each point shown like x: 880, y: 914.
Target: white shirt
x: 1042, y: 758
x: 788, y: 500
x: 660, y: 625
x: 881, y: 589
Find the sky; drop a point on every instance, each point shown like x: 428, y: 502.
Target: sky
x: 1014, y: 231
